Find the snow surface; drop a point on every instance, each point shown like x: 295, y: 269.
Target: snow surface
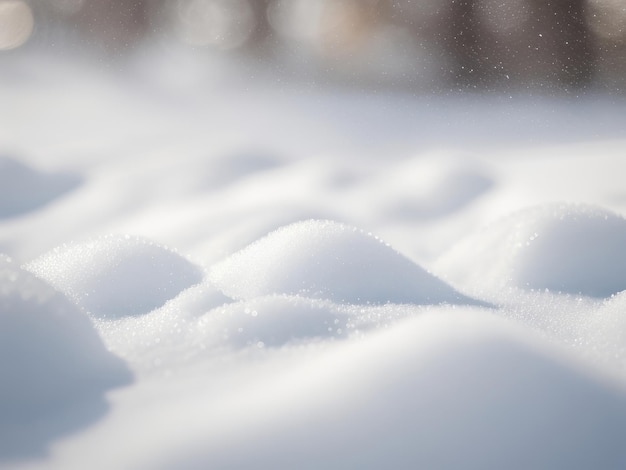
x: 575, y: 249
x: 229, y: 274
x: 16, y: 195
x: 116, y: 275
x: 329, y: 260
x: 51, y: 356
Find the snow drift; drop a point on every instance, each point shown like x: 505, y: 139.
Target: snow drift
x: 568, y: 248
x: 329, y: 260
x: 117, y: 276
x: 434, y: 391
x: 51, y: 358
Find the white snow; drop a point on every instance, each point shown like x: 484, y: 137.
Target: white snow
x: 51, y: 357
x: 441, y: 390
x: 16, y: 195
x: 237, y: 275
x: 569, y: 248
x: 116, y: 276
x: 329, y: 260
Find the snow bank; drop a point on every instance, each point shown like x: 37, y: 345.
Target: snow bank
x: 276, y: 360
x: 568, y: 248
x: 329, y: 260
x: 116, y: 276
x: 50, y: 354
x: 446, y: 390
x: 23, y: 189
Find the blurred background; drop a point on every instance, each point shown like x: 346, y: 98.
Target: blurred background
x: 432, y: 45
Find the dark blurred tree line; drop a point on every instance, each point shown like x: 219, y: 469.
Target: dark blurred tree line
x: 482, y: 44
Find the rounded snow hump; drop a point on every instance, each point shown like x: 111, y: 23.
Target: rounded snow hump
x: 115, y: 276
x: 329, y: 260
x: 50, y: 353
x: 567, y: 248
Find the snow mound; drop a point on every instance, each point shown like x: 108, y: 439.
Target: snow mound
x: 169, y: 336
x: 196, y: 301
x: 567, y: 248
x: 50, y: 354
x: 329, y: 260
x: 201, y: 325
x: 117, y: 276
x: 173, y: 337
x: 23, y: 189
x: 273, y: 321
x: 404, y: 397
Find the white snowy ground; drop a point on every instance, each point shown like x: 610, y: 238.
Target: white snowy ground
x: 210, y: 273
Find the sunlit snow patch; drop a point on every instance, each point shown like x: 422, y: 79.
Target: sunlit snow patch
x: 329, y: 260
x: 447, y: 390
x: 568, y: 248
x: 602, y: 332
x: 173, y: 335
x: 117, y: 276
x: 200, y: 326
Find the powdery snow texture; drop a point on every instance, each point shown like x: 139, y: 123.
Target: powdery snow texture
x: 318, y: 346
x: 446, y: 390
x: 568, y: 248
x: 329, y: 260
x: 273, y: 321
x: 117, y: 276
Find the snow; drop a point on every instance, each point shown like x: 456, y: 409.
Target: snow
x: 274, y: 321
x: 16, y: 196
x: 50, y: 357
x: 570, y: 248
x: 329, y: 260
x: 116, y: 275
x: 440, y: 390
x: 227, y: 274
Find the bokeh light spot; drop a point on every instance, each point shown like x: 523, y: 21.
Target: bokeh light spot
x: 223, y: 24
x: 296, y: 19
x: 607, y: 19
x: 16, y: 24
x: 504, y: 18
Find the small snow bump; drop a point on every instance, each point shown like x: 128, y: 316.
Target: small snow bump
x: 329, y: 260
x: 568, y: 248
x: 115, y: 276
x: 50, y: 352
